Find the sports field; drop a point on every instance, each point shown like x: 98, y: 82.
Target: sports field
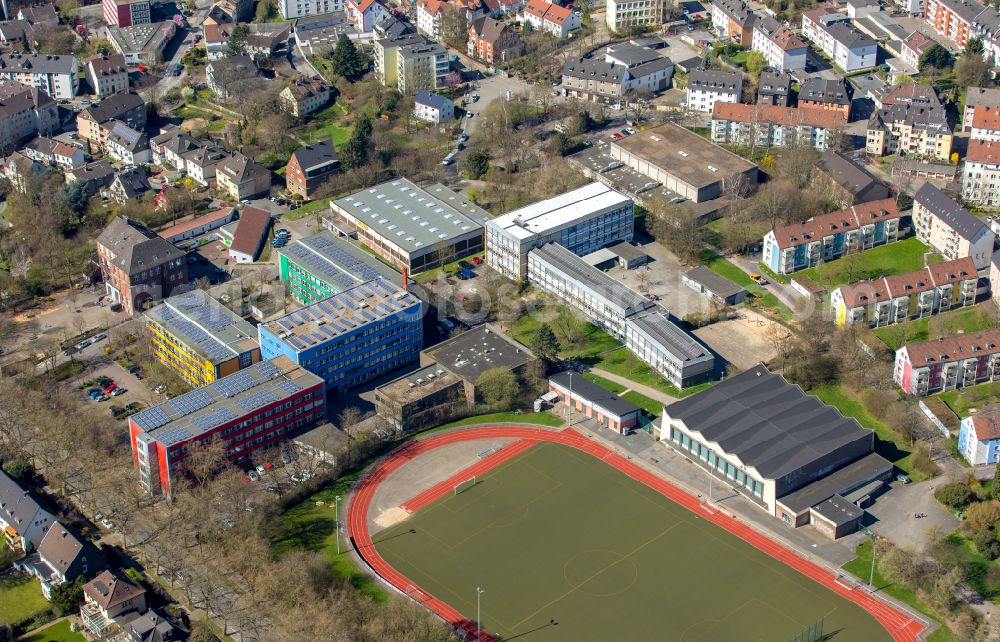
x: 555, y: 534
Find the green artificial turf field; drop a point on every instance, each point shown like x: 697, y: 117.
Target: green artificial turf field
x: 557, y: 535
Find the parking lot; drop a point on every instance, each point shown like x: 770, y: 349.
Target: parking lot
x: 136, y: 390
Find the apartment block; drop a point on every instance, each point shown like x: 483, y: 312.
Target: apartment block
x: 978, y: 97
x: 834, y: 35
x: 985, y: 123
x: 25, y: 112
x: 783, y: 49
x: 107, y: 75
x: 352, y: 337
x: 828, y: 236
x: 979, y: 438
x: 820, y: 93
x: 949, y: 228
x: 910, y: 130
x: 733, y: 18
x: 981, y: 174
x: 201, y: 339
x: 582, y: 221
x: 771, y: 126
x: 706, y: 88
x: 950, y: 363
x: 621, y: 15
x: 126, y: 13
x: 242, y: 414
x: 58, y: 76
x: 902, y: 297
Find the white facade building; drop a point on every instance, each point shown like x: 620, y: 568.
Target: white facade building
x: 834, y: 34
x: 291, y: 9
x: 782, y: 48
x: 705, y: 88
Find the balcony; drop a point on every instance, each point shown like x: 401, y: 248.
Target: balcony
x: 93, y: 618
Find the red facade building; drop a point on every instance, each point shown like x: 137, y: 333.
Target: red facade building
x: 137, y: 264
x: 948, y: 364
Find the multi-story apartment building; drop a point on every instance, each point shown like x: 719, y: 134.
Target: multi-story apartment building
x: 304, y: 96
x: 706, y: 88
x: 774, y: 89
x: 783, y: 49
x: 324, y: 264
x: 820, y: 93
x: 352, y: 337
x: 979, y: 438
x: 545, y: 16
x: 981, y: 174
x: 735, y: 20
x: 414, y: 228
x: 833, y: 33
x: 949, y: 363
x: 174, y: 444
x: 310, y: 166
x: 107, y: 75
x: 25, y: 112
x: 492, y: 41
x: 582, y: 221
x: 829, y: 236
x: 23, y: 521
x: 57, y: 76
x: 364, y: 13
x: 421, y: 67
x: 126, y: 13
x: 200, y: 338
x: 910, y: 129
x: 949, y: 228
x: 242, y: 177
x: 137, y: 264
x: 127, y: 108
x: 978, y: 97
x: 126, y: 145
x: 913, y: 48
x: 769, y: 126
x: 955, y: 19
x: 913, y: 295
x: 622, y: 15
x: 292, y: 9
x: 622, y: 68
x: 985, y: 123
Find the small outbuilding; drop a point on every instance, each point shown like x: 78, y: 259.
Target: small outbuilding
x: 606, y: 408
x: 714, y: 286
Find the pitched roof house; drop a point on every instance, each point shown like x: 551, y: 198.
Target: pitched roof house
x: 62, y: 557
x: 250, y: 235
x: 23, y: 520
x: 310, y: 166
x: 138, y: 265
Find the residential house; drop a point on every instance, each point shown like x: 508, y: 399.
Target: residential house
x: 733, y: 19
x: 128, y: 185
x: 994, y: 277
x: 913, y: 48
x: 242, y: 177
x: 624, y: 69
x: 224, y: 74
x: 310, y: 167
x: 623, y: 15
x: 107, y: 597
x: 305, y: 95
x: 421, y: 67
x: 16, y: 33
x: 981, y: 176
x: 979, y: 438
x: 57, y: 76
x: 24, y: 113
x: 910, y: 93
x: 267, y: 39
x: 820, y: 93
x: 203, y: 162
x: 106, y: 75
x: 126, y: 145
x: 126, y: 13
x: 54, y: 152
x: 828, y: 236
x: 216, y: 39
x: 40, y: 14
x: 769, y: 126
x: 97, y: 175
x: 250, y: 235
x: 774, y: 89
x: 705, y: 88
x: 783, y: 50
x: 833, y: 33
x: 493, y: 41
x: 171, y: 145
x: 914, y: 295
x: 137, y: 264
x: 61, y: 557
x: 433, y: 108
x: 23, y: 520
x: 431, y: 19
x: 985, y: 123
x: 21, y: 171
x: 545, y: 16
x: 151, y: 627
x: 234, y: 11
x: 911, y: 130
x: 364, y: 13
x: 949, y: 363
x: 949, y: 228
x: 127, y: 108
x: 836, y: 174
x: 978, y: 97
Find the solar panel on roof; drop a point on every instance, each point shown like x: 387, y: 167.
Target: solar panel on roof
x: 288, y: 386
x: 257, y: 399
x: 234, y: 384
x: 190, y: 402
x: 152, y: 418
x: 267, y: 368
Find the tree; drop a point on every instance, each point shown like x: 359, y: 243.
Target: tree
x: 937, y: 57
x: 981, y: 516
x: 348, y: 418
x: 756, y: 63
x: 238, y: 40
x: 995, y: 488
x: 971, y: 71
x: 544, y: 342
x: 354, y: 153
x: 974, y: 47
x: 955, y: 496
x: 899, y: 566
x: 68, y: 596
x: 987, y: 543
x: 347, y: 61
x: 498, y: 387
x: 477, y: 164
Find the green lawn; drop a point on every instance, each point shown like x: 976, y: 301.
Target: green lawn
x: 607, y: 384
x: 721, y: 266
x: 58, y: 632
x: 323, y: 126
x: 974, y: 398
x: 559, y: 540
x: 861, y: 567
x: 966, y: 320
x: 307, y: 209
x: 652, y: 406
x: 543, y: 418
x: 888, y: 444
x: 20, y: 598
x: 895, y: 258
x: 449, y: 268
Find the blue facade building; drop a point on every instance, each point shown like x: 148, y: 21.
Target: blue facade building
x: 979, y: 438
x: 351, y: 337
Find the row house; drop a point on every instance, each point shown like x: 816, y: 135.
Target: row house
x: 911, y: 130
x: 769, y: 126
x: 949, y: 228
x: 199, y: 158
x: 981, y: 175
x: 833, y: 33
x: 775, y: 89
x: 830, y: 95
x: 735, y: 20
x: 902, y: 297
x: 977, y: 97
x: 950, y: 363
x: 829, y: 236
x: 783, y: 50
x: 545, y: 16
x: 54, y: 152
x: 107, y: 75
x: 706, y: 88
x: 493, y: 41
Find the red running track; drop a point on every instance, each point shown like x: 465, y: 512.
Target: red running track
x: 901, y: 626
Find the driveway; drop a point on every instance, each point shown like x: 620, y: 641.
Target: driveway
x: 894, y: 511
x: 489, y: 89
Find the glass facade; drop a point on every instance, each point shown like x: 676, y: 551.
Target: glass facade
x: 716, y: 463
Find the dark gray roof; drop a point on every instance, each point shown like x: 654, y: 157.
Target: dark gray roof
x: 17, y: 507
x: 35, y: 63
x: 651, y: 67
x: 842, y: 482
x: 133, y: 183
x: 713, y: 282
x: 825, y: 91
x: 628, y: 251
x: 774, y: 84
x: 849, y: 174
x: 60, y: 548
x: 933, y: 120
x: 847, y: 35
x: 575, y: 268
x: 317, y: 155
x: 956, y: 216
x: 436, y: 101
x: 714, y: 80
x: 135, y: 246
x: 658, y: 326
x: 766, y: 422
x: 483, y: 348
x: 114, y: 106
x: 838, y: 510
x: 690, y: 64
x: 594, y: 394
x: 630, y: 55
x: 594, y: 69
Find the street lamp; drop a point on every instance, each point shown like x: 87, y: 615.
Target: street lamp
x: 479, y: 626
x: 336, y: 520
x: 873, y: 537
x: 569, y: 401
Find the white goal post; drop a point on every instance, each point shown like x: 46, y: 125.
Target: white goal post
x: 465, y: 485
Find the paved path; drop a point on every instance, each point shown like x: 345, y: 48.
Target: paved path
x: 784, y: 293
x: 652, y: 393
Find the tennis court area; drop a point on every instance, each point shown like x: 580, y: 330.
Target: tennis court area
x: 568, y: 548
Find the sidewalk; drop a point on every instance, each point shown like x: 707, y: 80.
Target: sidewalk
x: 652, y: 393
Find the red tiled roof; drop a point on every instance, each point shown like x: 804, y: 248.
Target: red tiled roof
x: 963, y: 346
x: 180, y: 228
x: 557, y: 14
x: 109, y: 590
x: 981, y: 151
x: 850, y: 219
x: 778, y: 115
x: 786, y: 40
x: 986, y: 425
x: 985, y: 117
x: 253, y: 224
x: 908, y: 284
x: 536, y: 8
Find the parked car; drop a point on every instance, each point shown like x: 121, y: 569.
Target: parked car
x: 477, y: 261
x: 466, y: 265
x: 253, y: 475
x: 133, y: 406
x: 283, y: 233
x: 903, y: 479
x: 94, y: 393
x: 617, y: 136
x: 101, y: 398
x: 260, y: 469
x: 135, y: 371
x: 118, y: 391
